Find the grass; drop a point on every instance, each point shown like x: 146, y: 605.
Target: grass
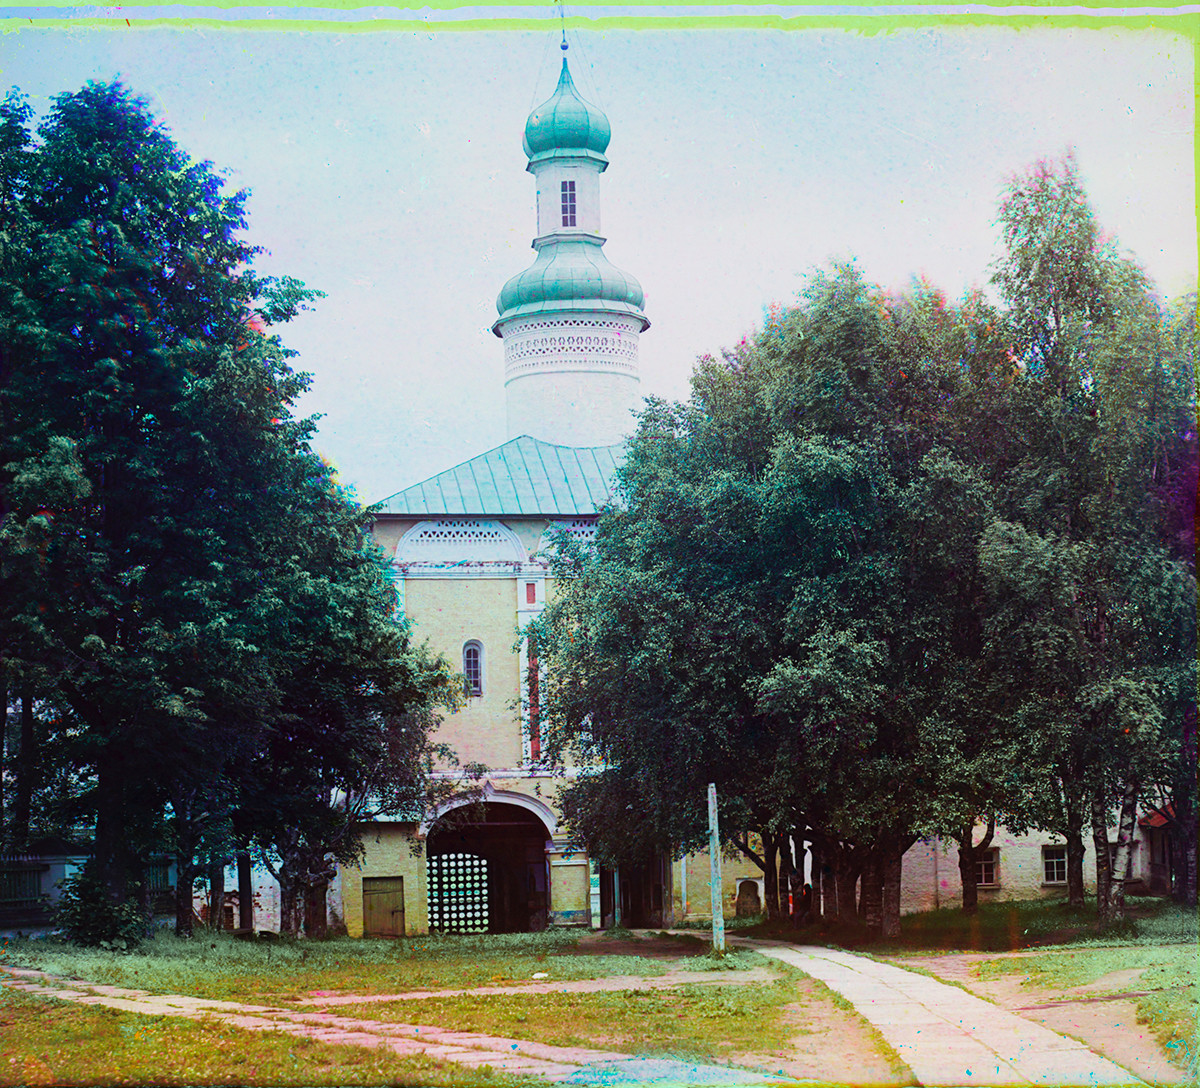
x: 999, y: 927
x: 696, y: 1022
x: 88, y: 1045
x: 219, y: 966
x: 1169, y: 970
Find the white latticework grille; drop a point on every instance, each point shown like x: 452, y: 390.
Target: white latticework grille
x: 462, y: 540
x: 581, y: 529
x: 458, y: 893
x: 606, y: 344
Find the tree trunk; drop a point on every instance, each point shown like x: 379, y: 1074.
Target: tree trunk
x: 216, y: 894
x: 112, y: 862
x: 817, y: 909
x: 26, y: 769
x: 1184, y: 842
x: 316, y: 915
x: 287, y: 903
x: 1104, y: 872
x: 1074, y: 837
x: 847, y: 867
x: 185, y: 876
x: 3, y: 753
x: 785, y: 875
x: 1126, y: 823
x: 969, y: 854
x: 245, y: 891
x: 770, y: 845
x: 892, y: 872
x: 872, y: 893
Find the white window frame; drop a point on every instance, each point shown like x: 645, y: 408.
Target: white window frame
x: 473, y: 686
x: 568, y: 204
x: 991, y: 857
x: 1046, y: 860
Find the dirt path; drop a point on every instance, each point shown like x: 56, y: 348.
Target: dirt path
x: 1106, y: 1023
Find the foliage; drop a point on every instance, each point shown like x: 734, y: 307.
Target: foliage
x: 88, y: 917
x: 898, y: 566
x: 185, y: 585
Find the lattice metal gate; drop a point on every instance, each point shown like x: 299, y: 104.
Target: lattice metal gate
x: 458, y: 893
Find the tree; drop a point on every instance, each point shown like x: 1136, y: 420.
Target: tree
x: 167, y: 535
x: 754, y: 611
x: 1086, y: 592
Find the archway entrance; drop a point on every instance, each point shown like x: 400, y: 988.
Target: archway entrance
x: 487, y: 870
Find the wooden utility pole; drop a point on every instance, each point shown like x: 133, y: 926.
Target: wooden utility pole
x: 714, y: 869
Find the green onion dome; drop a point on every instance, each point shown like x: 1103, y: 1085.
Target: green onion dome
x: 572, y: 274
x: 565, y: 122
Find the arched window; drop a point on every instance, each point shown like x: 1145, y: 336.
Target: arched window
x: 473, y: 667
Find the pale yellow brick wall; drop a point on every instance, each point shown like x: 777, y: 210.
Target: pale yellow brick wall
x: 387, y: 852
x: 691, y: 875
x: 449, y: 612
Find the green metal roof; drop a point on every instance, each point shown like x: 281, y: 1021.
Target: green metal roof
x: 524, y: 476
x: 569, y: 274
x: 566, y: 121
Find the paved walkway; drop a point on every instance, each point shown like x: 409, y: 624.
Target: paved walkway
x: 945, y: 1035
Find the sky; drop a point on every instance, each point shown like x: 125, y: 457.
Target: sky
x: 386, y: 170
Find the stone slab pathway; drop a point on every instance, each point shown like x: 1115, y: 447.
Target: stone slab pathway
x: 945, y: 1035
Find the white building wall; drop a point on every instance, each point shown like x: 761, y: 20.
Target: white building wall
x: 550, y: 176
x: 572, y: 409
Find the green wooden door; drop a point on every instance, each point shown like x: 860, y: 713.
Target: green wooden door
x: 383, y: 906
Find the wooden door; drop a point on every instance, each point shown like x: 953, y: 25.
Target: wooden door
x: 383, y: 906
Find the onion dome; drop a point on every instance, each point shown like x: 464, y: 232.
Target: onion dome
x: 565, y: 123
x: 571, y: 274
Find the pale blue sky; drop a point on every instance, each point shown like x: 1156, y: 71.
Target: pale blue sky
x: 387, y: 170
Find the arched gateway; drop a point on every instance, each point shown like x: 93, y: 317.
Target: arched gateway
x: 488, y: 869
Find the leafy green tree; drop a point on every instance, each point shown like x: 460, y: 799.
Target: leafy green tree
x: 1084, y: 589
x: 766, y: 606
x: 176, y: 560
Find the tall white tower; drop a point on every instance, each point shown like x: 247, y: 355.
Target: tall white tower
x: 570, y: 322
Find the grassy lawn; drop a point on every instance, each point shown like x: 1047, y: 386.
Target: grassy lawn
x: 89, y: 1045
x: 1010, y: 926
x: 217, y: 965
x: 702, y: 1023
x: 1167, y: 969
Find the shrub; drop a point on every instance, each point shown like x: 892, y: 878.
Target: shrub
x: 88, y: 916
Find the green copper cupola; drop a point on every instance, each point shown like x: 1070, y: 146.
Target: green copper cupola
x: 566, y: 124
x: 571, y: 321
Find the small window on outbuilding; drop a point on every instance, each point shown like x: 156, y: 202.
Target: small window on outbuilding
x: 472, y: 667
x: 987, y: 869
x: 1054, y: 864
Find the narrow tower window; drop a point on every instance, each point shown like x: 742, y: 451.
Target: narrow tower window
x: 473, y: 668
x: 568, y: 203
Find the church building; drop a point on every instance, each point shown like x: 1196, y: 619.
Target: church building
x: 470, y: 551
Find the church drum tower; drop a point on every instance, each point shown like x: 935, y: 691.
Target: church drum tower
x: 571, y: 321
